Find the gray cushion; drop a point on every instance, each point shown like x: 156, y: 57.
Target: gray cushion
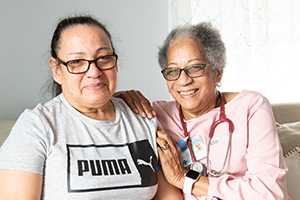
x: 292, y: 161
x: 286, y: 112
x: 289, y: 135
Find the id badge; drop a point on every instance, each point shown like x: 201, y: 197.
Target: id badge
x: 198, y: 148
x: 186, y: 156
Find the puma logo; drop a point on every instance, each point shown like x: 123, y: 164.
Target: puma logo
x: 142, y: 162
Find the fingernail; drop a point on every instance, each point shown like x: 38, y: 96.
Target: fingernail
x: 149, y: 115
x: 153, y: 113
x: 143, y: 114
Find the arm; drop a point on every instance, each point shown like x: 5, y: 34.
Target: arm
x: 22, y: 158
x: 137, y: 102
x: 166, y: 190
x: 264, y: 169
x: 16, y: 185
x: 257, y: 168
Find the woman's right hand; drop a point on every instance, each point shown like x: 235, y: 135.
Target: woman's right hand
x: 170, y: 159
x: 137, y: 102
x: 172, y: 165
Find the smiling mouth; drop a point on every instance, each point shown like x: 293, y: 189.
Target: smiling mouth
x: 95, y: 85
x: 188, y: 92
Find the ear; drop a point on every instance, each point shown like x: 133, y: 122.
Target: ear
x: 56, y: 71
x: 219, y: 74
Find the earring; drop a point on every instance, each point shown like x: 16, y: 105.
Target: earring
x: 219, y: 84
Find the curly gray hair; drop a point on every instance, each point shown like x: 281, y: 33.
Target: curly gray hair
x: 213, y: 45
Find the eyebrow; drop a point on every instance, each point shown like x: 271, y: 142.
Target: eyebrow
x: 98, y: 50
x: 196, y: 59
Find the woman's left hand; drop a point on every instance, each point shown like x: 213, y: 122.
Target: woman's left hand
x: 170, y: 159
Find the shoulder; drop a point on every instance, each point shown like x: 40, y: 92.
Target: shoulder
x: 126, y: 112
x: 244, y: 95
x: 164, y: 105
x: 165, y: 110
x: 120, y: 104
x: 247, y: 99
x: 40, y: 116
x: 48, y: 106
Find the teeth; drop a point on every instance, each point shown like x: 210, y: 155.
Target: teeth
x: 188, y: 93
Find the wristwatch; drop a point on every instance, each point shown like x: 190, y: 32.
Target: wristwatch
x: 190, y: 178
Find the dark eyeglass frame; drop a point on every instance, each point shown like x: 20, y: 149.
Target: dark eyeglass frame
x: 184, y: 69
x: 90, y: 62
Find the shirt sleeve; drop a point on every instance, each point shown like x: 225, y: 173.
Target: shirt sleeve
x: 25, y: 148
x: 265, y: 178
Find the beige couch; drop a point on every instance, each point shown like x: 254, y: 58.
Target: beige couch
x: 284, y: 114
x: 5, y: 127
x: 287, y: 117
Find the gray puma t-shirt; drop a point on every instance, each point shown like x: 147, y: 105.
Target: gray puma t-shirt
x: 83, y: 158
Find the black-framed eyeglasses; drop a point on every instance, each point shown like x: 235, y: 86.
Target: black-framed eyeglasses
x: 192, y: 71
x: 80, y: 66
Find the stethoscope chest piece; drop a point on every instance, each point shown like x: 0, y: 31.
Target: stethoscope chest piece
x: 197, y: 166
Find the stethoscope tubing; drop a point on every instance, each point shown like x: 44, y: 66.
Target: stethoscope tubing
x: 186, y: 135
x: 222, y: 119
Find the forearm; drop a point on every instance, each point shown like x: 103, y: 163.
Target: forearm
x: 200, y: 187
x: 166, y: 190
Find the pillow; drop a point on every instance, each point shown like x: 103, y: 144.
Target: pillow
x: 289, y: 136
x: 292, y: 160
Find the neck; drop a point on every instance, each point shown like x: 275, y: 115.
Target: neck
x: 213, y: 103
x: 105, y: 113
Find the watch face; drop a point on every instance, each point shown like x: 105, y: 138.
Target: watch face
x: 192, y: 174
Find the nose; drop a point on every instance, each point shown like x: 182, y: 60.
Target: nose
x: 94, y: 71
x: 184, y: 79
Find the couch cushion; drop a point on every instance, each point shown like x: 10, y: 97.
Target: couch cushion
x: 286, y: 112
x: 5, y: 127
x: 292, y: 160
x: 289, y: 135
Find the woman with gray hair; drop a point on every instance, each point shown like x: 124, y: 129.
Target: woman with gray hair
x: 213, y: 145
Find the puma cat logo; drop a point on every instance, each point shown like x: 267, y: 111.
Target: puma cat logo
x: 142, y: 162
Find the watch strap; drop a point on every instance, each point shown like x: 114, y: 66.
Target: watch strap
x: 188, y: 184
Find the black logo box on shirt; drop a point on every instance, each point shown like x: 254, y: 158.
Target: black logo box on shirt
x: 109, y: 167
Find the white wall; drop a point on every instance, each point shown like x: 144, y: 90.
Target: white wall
x: 26, y: 28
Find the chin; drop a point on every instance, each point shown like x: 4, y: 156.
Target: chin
x: 98, y: 99
x: 187, y: 105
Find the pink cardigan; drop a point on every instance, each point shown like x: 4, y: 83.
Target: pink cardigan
x: 255, y: 163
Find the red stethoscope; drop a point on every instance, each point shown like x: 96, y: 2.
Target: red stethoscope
x: 222, y: 119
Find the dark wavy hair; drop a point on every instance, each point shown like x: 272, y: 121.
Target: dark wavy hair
x: 56, y: 39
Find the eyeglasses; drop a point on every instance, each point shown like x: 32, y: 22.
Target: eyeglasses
x: 81, y: 65
x: 192, y: 71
